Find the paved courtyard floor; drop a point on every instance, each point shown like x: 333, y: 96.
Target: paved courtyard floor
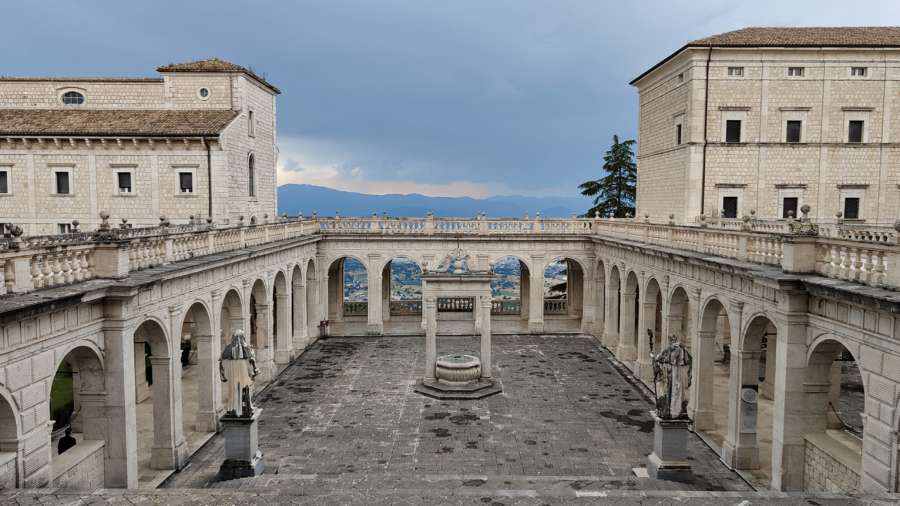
x: 344, y: 417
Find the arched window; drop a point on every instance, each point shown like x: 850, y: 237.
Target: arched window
x: 72, y: 98
x: 251, y: 175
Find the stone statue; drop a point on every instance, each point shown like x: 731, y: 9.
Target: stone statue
x: 237, y: 366
x: 672, y: 380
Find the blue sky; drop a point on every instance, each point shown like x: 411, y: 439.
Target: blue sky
x: 458, y: 97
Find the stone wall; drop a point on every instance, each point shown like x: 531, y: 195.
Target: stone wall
x: 829, y: 467
x: 80, y: 468
x: 7, y: 470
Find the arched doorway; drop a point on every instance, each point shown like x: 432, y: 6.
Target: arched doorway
x: 298, y: 310
x: 401, y: 295
x: 261, y: 331
x: 199, y: 378
x: 77, y: 397
x: 710, y: 385
x: 651, y: 339
x: 510, y: 294
x: 159, y: 416
x: 348, y: 290
x: 679, y: 317
x: 281, y: 316
x: 313, y: 314
x: 563, y: 295
x: 613, y: 300
x: 628, y: 321
x: 833, y: 419
x: 231, y: 318
x: 9, y: 444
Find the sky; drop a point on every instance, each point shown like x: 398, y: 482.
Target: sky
x: 452, y: 98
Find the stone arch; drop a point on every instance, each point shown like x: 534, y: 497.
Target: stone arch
x: 158, y: 411
x: 10, y: 434
x: 231, y: 314
x: 828, y: 420
x: 281, y: 318
x: 509, y: 299
x: 408, y: 302
x: 258, y: 309
x: 613, y: 301
x: 566, y: 297
x: 344, y: 303
x: 652, y: 311
x: 628, y: 319
x: 679, y: 316
x: 77, y: 399
x: 312, y: 296
x: 709, y: 411
x: 199, y: 382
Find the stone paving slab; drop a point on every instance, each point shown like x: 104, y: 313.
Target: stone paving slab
x: 346, y: 415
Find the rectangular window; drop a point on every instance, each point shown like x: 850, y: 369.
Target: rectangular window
x: 855, y: 130
x: 733, y: 130
x: 678, y: 134
x: 4, y: 181
x: 64, y: 228
x: 186, y: 182
x: 858, y: 71
x: 681, y: 78
x: 789, y: 207
x: 729, y: 207
x: 735, y: 71
x: 851, y: 208
x: 792, y: 132
x: 795, y: 71
x: 62, y: 183
x: 251, y: 126
x: 124, y: 182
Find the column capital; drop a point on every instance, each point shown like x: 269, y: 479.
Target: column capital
x: 694, y: 292
x: 281, y: 296
x: 154, y: 360
x: 174, y: 309
x: 215, y: 294
x: 245, y: 283
x: 736, y: 305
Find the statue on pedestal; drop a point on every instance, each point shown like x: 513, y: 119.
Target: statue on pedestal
x: 672, y: 380
x: 237, y: 367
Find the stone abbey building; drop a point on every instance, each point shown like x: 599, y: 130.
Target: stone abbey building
x: 761, y: 121
x: 793, y: 323
x: 199, y: 142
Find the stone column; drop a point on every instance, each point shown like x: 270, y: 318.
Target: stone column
x: 486, y: 335
x: 476, y: 313
x: 524, y: 292
x: 168, y: 449
x: 430, y: 312
x: 767, y: 388
x: 207, y: 383
x: 643, y: 369
x: 299, y: 327
x: 834, y: 395
x: 740, y: 450
x: 283, y: 353
x: 611, y: 318
x: 626, y: 351
x: 264, y: 356
x: 536, y: 296
x: 790, y: 419
x: 141, y: 387
x: 121, y: 439
x: 386, y: 293
x: 375, y: 325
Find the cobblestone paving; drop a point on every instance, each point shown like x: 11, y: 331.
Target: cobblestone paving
x: 344, y: 415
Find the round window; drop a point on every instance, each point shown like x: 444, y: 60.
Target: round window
x: 72, y: 98
x: 203, y: 93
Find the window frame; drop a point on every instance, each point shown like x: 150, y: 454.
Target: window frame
x: 251, y: 175
x: 737, y: 206
x: 7, y: 169
x: 853, y: 193
x: 735, y: 72
x: 130, y: 170
x: 63, y: 228
x: 68, y: 91
x: 864, y: 71
x: 862, y: 131
x: 54, y: 181
x: 200, y: 93
x: 251, y: 123
x: 787, y: 130
x: 179, y: 170
x: 800, y: 71
x: 740, y: 131
x: 679, y: 134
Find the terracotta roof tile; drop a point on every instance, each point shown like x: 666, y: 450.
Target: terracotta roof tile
x: 215, y: 65
x: 87, y: 122
x: 850, y: 36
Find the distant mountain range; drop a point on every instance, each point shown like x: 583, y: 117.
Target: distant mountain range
x: 303, y: 198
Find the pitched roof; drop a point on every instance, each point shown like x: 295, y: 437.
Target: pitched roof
x: 85, y: 79
x: 112, y: 123
x: 850, y: 36
x: 215, y: 65
x: 835, y: 36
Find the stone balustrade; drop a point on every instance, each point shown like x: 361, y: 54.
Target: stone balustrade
x: 506, y: 307
x: 406, y: 307
x: 556, y: 307
x: 850, y: 252
x: 356, y: 308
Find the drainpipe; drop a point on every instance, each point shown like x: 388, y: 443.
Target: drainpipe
x: 705, y: 139
x: 209, y: 186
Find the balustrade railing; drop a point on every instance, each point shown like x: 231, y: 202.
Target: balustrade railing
x: 506, y: 307
x: 556, y: 307
x: 846, y: 251
x: 356, y: 308
x: 406, y: 307
x: 455, y: 304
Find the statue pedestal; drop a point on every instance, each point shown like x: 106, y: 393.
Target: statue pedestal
x: 242, y: 455
x: 669, y: 458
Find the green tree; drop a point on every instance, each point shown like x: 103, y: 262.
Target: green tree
x: 614, y: 193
